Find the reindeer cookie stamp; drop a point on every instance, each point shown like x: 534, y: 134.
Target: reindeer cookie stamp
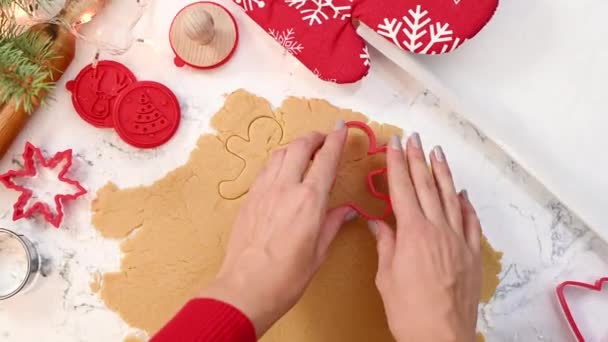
x: 145, y: 114
x: 95, y: 89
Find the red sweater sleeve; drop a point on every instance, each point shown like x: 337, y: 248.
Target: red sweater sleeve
x: 207, y: 320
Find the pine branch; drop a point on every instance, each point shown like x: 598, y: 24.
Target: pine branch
x: 24, y: 59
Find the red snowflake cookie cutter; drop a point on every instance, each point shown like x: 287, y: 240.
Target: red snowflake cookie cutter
x: 597, y: 287
x: 373, y: 149
x: 30, y: 154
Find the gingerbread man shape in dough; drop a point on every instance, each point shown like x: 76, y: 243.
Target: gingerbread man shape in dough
x: 264, y: 136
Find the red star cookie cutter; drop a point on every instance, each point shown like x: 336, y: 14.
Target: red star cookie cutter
x: 597, y: 287
x: 30, y: 155
x: 373, y: 149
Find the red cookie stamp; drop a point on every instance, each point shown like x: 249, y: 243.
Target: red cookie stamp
x: 373, y: 149
x: 146, y: 114
x: 95, y: 89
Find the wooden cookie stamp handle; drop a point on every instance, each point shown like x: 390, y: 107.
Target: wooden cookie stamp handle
x: 199, y: 25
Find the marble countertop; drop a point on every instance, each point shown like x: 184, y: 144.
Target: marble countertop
x: 540, y: 94
x: 543, y: 243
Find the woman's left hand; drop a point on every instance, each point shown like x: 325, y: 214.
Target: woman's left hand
x: 283, y: 230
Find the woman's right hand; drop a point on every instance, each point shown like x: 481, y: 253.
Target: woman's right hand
x: 429, y: 272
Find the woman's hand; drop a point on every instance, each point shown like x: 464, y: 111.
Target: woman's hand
x: 429, y: 272
x: 283, y: 230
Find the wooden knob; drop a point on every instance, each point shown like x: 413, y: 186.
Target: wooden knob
x: 199, y: 25
x: 203, y: 35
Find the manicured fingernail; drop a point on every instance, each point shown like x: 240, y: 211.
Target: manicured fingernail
x: 415, y: 139
x: 465, y: 194
x: 439, y: 155
x: 396, y: 143
x: 340, y: 124
x: 351, y: 215
x: 373, y: 227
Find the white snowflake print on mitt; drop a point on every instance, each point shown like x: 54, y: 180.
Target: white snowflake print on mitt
x: 287, y: 39
x: 419, y: 34
x: 365, y: 56
x: 250, y: 5
x: 323, y: 36
x: 320, y: 76
x: 319, y: 11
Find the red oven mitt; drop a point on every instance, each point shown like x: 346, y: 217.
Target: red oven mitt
x: 321, y: 35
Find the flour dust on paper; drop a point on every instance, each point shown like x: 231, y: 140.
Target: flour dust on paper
x: 174, y: 232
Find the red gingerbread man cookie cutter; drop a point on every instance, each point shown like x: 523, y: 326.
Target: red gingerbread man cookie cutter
x: 30, y: 155
x: 373, y: 149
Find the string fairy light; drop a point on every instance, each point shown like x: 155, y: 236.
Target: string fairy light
x: 106, y: 46
x: 21, y: 17
x: 89, y: 10
x: 85, y: 18
x: 48, y: 12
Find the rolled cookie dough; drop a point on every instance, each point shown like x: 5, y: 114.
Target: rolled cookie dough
x: 175, y: 231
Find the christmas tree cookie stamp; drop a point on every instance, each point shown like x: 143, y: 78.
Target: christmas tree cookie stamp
x: 147, y: 114
x: 265, y: 135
